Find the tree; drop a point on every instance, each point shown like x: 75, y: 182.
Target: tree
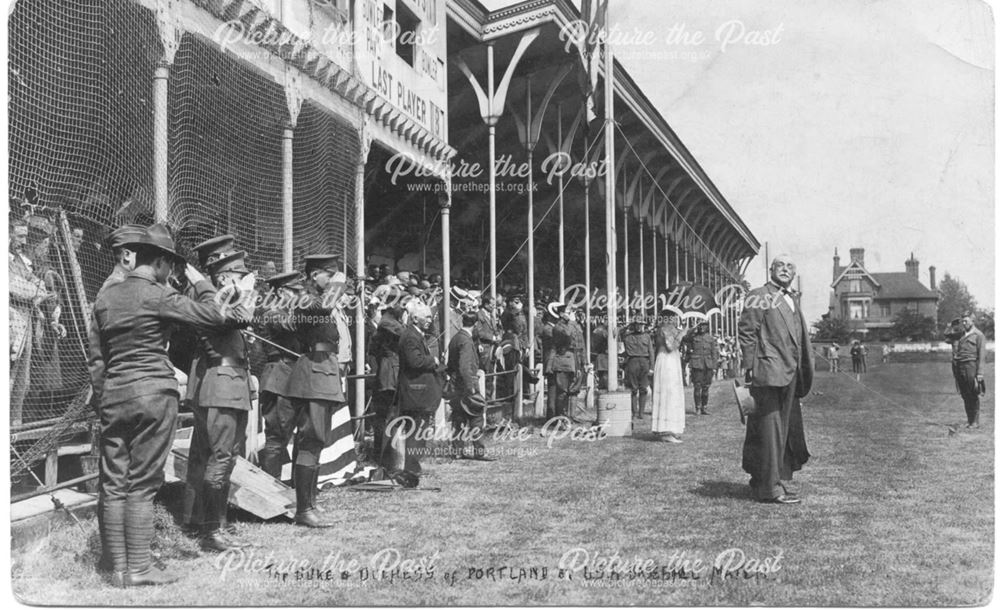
x: 832, y: 329
x: 984, y: 322
x: 955, y: 300
x: 910, y: 325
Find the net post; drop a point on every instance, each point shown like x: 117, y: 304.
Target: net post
x: 364, y: 147
x: 170, y: 39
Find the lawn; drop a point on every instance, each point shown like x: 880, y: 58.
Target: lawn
x: 897, y: 510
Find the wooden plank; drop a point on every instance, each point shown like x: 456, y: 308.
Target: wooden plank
x: 252, y: 489
x: 52, y: 467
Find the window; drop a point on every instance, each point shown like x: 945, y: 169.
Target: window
x: 886, y: 310
x: 855, y: 286
x: 406, y: 33
x: 856, y: 310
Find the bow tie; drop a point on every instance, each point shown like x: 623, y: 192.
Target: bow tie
x: 789, y: 292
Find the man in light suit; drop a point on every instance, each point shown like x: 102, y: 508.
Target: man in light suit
x: 777, y: 360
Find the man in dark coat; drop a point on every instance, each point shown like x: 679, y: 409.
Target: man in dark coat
x: 703, y: 360
x: 275, y: 408
x: 466, y: 403
x: 419, y: 391
x: 777, y: 359
x: 968, y: 363
x: 384, y: 351
x: 135, y: 391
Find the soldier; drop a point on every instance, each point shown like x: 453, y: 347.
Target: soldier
x: 219, y: 394
x: 561, y: 366
x: 487, y: 336
x: 124, y: 256
x: 275, y: 408
x: 314, y: 386
x: 703, y: 359
x: 639, y: 357
x: 136, y: 394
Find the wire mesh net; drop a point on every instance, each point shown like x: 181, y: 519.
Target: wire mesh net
x: 81, y: 117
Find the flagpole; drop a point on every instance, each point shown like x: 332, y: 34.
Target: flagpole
x: 609, y: 211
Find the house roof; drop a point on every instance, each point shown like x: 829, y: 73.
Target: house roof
x: 855, y: 265
x: 902, y: 285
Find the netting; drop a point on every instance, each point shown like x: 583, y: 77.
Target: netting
x: 81, y: 118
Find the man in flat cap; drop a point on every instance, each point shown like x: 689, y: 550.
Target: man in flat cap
x: 968, y: 363
x: 136, y: 394
x: 275, y: 407
x: 314, y: 385
x: 219, y: 395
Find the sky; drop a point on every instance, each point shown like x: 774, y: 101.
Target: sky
x: 859, y: 123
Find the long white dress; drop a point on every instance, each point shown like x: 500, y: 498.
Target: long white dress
x: 668, y: 385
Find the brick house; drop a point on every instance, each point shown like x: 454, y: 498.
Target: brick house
x: 869, y: 301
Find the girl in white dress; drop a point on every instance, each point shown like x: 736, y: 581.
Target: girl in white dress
x: 668, y: 382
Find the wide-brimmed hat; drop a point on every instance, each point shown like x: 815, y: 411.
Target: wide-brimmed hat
x: 556, y: 308
x: 125, y: 234
x: 156, y: 236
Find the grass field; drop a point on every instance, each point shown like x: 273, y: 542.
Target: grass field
x: 897, y: 510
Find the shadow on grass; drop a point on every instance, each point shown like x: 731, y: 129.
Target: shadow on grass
x: 722, y: 489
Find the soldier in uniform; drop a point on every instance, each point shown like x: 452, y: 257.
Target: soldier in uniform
x: 639, y: 357
x: 136, y: 394
x: 486, y: 334
x: 314, y: 386
x: 275, y: 408
x: 703, y: 359
x: 219, y: 394
x: 124, y: 256
x: 562, y: 368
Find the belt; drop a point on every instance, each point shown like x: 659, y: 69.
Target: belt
x: 324, y: 347
x: 238, y: 363
x: 281, y: 358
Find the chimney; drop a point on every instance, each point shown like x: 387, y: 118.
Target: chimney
x: 913, y: 266
x: 836, y: 264
x: 932, y: 269
x: 858, y: 256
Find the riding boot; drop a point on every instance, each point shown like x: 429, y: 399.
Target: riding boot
x: 642, y: 405
x: 215, y: 508
x: 306, y: 479
x: 635, y: 403
x: 113, y: 538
